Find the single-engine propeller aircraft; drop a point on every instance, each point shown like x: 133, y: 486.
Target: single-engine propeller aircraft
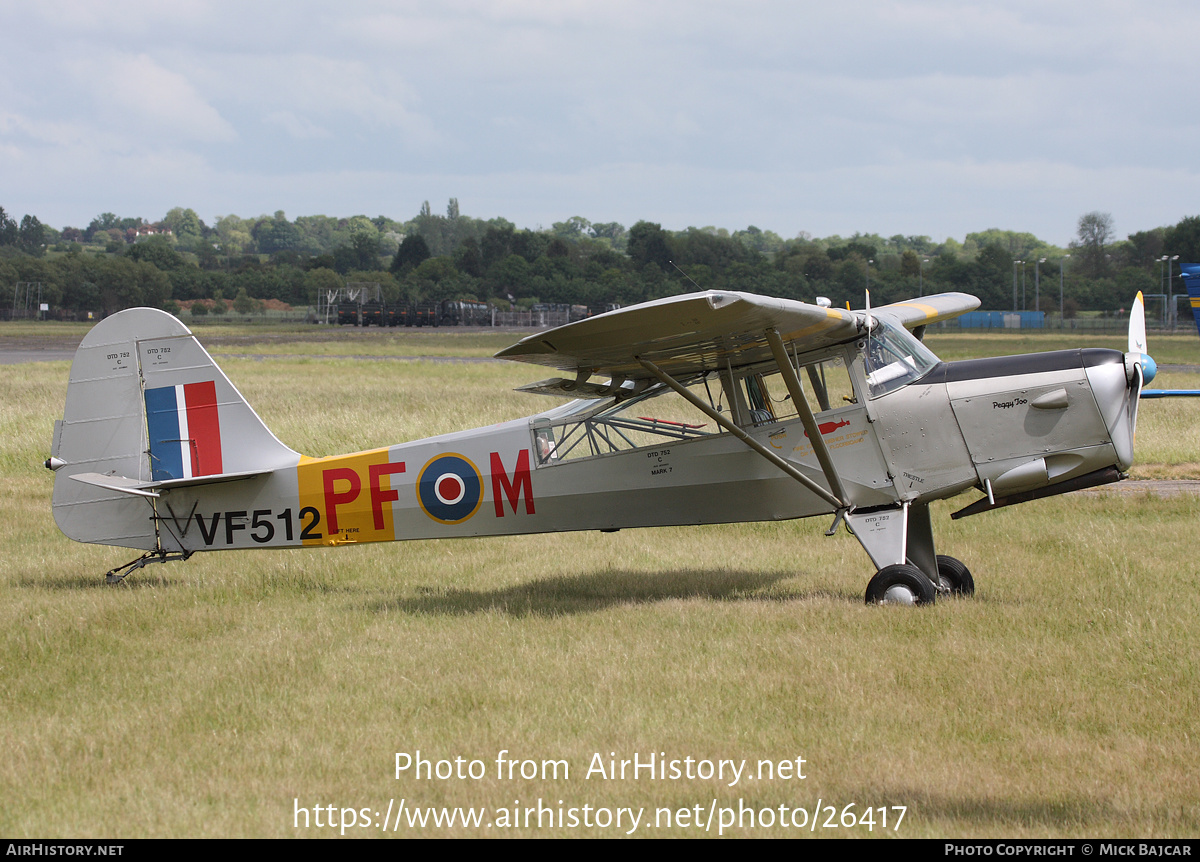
x: 712, y: 407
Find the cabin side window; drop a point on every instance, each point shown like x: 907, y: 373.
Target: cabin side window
x: 827, y: 384
x: 658, y: 416
x: 762, y: 397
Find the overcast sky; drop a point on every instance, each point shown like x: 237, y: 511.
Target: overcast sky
x: 936, y: 118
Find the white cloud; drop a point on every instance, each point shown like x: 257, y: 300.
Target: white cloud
x: 140, y: 94
x: 300, y: 128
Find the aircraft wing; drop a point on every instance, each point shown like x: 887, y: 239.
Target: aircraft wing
x: 929, y: 309
x: 707, y: 331
x: 685, y: 334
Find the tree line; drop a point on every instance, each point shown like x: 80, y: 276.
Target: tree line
x: 117, y: 262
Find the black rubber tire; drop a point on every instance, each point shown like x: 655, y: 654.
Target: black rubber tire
x: 955, y: 576
x: 908, y: 584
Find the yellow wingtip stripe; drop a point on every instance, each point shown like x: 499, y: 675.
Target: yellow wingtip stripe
x: 928, y: 310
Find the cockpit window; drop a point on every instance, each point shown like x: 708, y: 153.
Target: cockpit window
x: 893, y: 358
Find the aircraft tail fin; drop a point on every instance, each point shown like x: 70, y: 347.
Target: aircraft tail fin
x: 1191, y: 278
x: 147, y: 408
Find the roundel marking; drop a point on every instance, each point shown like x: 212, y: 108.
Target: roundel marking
x: 449, y: 488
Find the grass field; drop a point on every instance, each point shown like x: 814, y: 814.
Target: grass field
x: 215, y: 697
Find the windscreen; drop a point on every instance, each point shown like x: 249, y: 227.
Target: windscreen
x: 893, y: 358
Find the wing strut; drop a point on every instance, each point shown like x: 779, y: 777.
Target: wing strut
x: 806, y: 416
x: 736, y: 431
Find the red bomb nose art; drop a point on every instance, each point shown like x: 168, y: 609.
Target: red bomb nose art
x: 450, y: 489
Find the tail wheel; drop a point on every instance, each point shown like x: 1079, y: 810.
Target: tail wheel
x: 901, y: 584
x: 955, y: 577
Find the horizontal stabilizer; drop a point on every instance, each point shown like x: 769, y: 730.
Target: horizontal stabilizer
x: 115, y: 483
x: 151, y: 489
x: 167, y: 484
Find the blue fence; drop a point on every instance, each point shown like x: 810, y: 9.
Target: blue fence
x: 1002, y: 320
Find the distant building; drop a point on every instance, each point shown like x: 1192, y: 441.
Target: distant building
x: 145, y: 230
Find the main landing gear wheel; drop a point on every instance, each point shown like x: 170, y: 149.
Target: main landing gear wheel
x: 955, y: 577
x: 901, y: 584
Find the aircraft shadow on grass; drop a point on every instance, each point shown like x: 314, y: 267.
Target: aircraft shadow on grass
x: 565, y: 594
x: 581, y: 594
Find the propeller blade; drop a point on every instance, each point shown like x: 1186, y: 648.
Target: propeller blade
x: 1137, y: 357
x: 1137, y: 325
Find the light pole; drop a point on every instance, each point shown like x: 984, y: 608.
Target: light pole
x: 1062, y: 317
x: 1170, y: 295
x: 1161, y: 276
x: 1015, y: 262
x: 869, y: 262
x: 921, y: 277
x: 1037, y: 285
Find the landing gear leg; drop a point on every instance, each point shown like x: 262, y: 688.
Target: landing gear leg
x: 899, y: 540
